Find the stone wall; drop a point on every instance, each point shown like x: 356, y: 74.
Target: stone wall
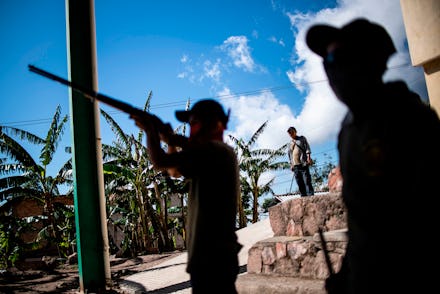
x: 303, y: 216
x: 296, y: 248
x: 335, y: 180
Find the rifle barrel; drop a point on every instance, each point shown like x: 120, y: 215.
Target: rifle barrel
x: 89, y: 93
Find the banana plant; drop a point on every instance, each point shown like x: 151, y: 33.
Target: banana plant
x: 23, y: 177
x: 136, y: 191
x: 253, y: 164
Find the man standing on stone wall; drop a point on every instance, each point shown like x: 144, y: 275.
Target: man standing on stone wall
x: 300, y: 159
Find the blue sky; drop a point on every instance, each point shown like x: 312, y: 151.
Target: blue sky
x: 248, y: 54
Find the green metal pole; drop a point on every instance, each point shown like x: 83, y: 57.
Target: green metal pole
x: 90, y: 215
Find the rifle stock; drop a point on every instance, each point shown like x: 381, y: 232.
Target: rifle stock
x: 125, y: 107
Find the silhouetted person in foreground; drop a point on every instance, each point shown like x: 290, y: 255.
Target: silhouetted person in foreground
x: 299, y: 154
x: 211, y: 167
x: 389, y: 154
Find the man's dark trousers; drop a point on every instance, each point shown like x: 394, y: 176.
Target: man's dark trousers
x: 303, y: 180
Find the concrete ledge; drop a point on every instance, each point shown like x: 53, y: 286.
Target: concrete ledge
x: 333, y: 236
x: 257, y: 284
x: 278, y: 239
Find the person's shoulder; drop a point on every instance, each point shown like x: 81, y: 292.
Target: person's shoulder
x: 399, y: 89
x: 413, y: 101
x: 223, y: 151
x: 220, y: 145
x: 348, y: 119
x: 302, y: 138
x: 211, y: 149
x: 397, y: 86
x: 424, y: 118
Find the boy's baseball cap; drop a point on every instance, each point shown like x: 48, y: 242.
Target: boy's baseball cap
x: 204, y: 110
x: 367, y: 39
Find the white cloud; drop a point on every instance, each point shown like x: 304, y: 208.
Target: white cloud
x: 212, y: 70
x: 182, y: 75
x: 322, y: 112
x: 280, y: 42
x: 255, y: 34
x: 238, y: 49
x: 187, y: 72
x: 248, y: 113
x: 184, y: 58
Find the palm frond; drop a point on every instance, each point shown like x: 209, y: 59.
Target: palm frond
x: 53, y: 137
x: 146, y: 108
x: 117, y: 130
x: 241, y: 148
x: 109, y: 152
x: 255, y: 136
x: 9, y: 182
x: 267, y: 188
x: 261, y: 152
x: 282, y: 149
x: 187, y: 106
x: 147, y: 104
x: 11, y: 168
x: 234, y: 140
x: 65, y: 174
x: 21, y: 134
x: 16, y: 152
x: 18, y: 191
x: 278, y: 166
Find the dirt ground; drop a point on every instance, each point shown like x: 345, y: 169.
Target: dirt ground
x: 64, y: 278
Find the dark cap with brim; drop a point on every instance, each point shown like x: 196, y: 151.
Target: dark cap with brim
x: 368, y: 39
x: 204, y: 110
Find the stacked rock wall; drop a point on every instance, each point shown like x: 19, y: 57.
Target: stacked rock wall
x: 296, y: 248
x: 303, y: 216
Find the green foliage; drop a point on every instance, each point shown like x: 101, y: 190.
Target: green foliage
x: 268, y: 202
x: 11, y: 244
x: 65, y: 216
x: 320, y: 173
x: 138, y: 196
x: 26, y: 178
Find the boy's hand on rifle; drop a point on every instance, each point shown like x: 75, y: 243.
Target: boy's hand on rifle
x: 166, y: 133
x: 152, y: 124
x: 145, y: 122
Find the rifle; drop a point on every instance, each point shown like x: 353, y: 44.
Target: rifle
x: 336, y: 282
x: 325, y: 251
x: 92, y: 95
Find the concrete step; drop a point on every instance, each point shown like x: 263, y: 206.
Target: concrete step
x: 257, y: 284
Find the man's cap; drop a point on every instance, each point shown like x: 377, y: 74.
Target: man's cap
x: 204, y: 110
x: 369, y: 40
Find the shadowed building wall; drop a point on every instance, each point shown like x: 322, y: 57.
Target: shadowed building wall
x: 422, y: 25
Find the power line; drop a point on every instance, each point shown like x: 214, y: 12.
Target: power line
x: 27, y: 122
